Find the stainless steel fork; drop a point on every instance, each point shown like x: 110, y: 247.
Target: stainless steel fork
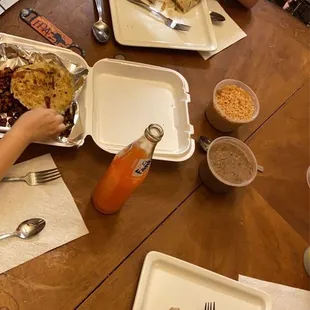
x: 36, y: 178
x: 168, y: 21
x: 210, y: 305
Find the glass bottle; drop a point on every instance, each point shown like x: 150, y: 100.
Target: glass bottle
x: 127, y: 171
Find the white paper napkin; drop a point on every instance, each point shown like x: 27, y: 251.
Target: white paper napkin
x: 283, y: 297
x: 51, y: 201
x: 226, y: 33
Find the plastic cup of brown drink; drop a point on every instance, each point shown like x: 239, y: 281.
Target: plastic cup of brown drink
x: 229, y: 163
x: 224, y: 122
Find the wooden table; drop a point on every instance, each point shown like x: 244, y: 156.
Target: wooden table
x: 260, y: 231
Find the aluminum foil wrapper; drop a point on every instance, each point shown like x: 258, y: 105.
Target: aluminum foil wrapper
x: 14, y: 56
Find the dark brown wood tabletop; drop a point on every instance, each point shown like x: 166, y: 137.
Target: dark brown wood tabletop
x: 236, y: 234
x: 274, y: 60
x: 282, y: 147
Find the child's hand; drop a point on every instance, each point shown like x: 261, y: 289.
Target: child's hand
x: 39, y: 125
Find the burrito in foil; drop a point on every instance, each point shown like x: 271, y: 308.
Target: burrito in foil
x: 30, y: 79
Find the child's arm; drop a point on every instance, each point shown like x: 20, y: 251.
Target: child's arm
x: 33, y: 126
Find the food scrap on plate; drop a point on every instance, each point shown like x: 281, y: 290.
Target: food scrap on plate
x: 182, y: 6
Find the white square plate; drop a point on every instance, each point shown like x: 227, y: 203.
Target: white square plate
x: 167, y: 282
x: 134, y: 26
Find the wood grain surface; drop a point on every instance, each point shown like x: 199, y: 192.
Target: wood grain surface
x: 282, y: 147
x: 272, y: 60
x: 234, y: 234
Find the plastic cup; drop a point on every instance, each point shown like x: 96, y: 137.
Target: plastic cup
x: 222, y: 122
x: 213, y: 180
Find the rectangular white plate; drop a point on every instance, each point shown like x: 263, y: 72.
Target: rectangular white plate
x: 5, y: 4
x: 134, y: 26
x: 167, y: 282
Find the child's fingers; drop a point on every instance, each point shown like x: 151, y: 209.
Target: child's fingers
x: 59, y: 119
x: 61, y: 128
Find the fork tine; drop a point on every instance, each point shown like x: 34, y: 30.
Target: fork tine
x: 44, y: 180
x: 48, y: 177
x: 182, y: 27
x: 210, y: 305
x: 44, y: 172
x: 187, y: 27
x: 178, y: 28
x: 40, y: 181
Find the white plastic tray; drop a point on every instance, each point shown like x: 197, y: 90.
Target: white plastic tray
x: 167, y: 282
x: 121, y: 98
x: 134, y: 26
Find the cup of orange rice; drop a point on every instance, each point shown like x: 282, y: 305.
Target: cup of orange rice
x: 234, y: 104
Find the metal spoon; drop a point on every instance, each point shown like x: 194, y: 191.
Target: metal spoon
x: 217, y: 17
x: 100, y: 29
x: 26, y: 229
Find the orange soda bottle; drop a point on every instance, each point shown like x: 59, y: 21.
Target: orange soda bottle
x: 127, y: 171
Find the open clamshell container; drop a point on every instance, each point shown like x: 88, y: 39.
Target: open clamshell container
x: 121, y: 98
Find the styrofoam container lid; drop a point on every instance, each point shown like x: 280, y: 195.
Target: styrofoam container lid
x: 121, y: 98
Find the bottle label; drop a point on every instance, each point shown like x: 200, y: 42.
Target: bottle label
x: 142, y: 167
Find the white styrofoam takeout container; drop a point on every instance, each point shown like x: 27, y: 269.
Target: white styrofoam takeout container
x: 121, y: 98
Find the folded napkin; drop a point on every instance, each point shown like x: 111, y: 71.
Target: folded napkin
x: 226, y: 33
x: 283, y: 297
x: 51, y: 201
